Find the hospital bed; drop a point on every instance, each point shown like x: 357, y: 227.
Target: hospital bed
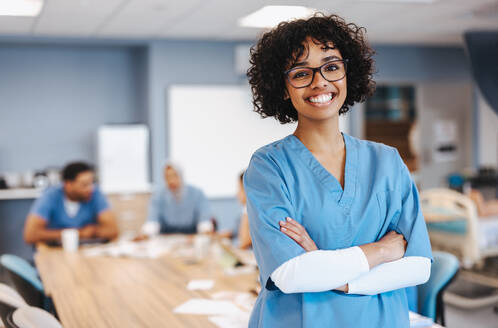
x: 454, y: 226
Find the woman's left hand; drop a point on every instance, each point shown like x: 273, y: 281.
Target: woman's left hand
x: 297, y: 232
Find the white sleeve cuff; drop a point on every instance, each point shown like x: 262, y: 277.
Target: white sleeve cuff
x: 363, y: 260
x: 320, y: 270
x: 405, y: 272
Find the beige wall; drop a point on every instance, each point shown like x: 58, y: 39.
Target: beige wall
x: 443, y: 101
x: 487, y: 133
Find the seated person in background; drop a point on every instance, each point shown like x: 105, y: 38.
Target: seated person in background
x: 176, y: 208
x: 77, y: 203
x: 244, y: 236
x: 484, y: 207
x: 239, y: 229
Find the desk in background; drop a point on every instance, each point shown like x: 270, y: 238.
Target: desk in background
x: 20, y: 193
x: 129, y: 292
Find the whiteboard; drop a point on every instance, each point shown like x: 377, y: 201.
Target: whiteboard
x: 213, y: 131
x: 123, y: 160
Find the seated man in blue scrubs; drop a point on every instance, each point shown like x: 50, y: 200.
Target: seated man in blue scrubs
x: 76, y: 203
x: 176, y: 208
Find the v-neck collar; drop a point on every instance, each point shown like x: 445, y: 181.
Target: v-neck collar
x: 171, y: 196
x: 343, y: 197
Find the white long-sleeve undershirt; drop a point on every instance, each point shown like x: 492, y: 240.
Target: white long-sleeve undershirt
x: 320, y: 270
x: 325, y: 270
x: 405, y: 272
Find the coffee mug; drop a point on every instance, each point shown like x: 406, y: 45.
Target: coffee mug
x: 201, y: 245
x: 70, y: 240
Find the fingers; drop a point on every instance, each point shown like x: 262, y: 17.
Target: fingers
x: 294, y: 226
x: 287, y: 224
x: 295, y: 236
x: 298, y: 233
x: 393, y: 235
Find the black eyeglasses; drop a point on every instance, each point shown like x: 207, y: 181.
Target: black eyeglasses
x: 302, y: 77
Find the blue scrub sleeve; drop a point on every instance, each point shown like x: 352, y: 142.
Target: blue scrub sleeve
x: 268, y: 202
x: 43, y: 205
x: 411, y: 222
x: 101, y: 203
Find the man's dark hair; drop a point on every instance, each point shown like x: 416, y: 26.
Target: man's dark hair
x: 71, y: 170
x: 279, y: 48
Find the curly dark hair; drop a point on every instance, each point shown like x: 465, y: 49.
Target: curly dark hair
x: 279, y: 49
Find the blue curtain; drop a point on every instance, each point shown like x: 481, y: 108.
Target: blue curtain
x: 482, y: 49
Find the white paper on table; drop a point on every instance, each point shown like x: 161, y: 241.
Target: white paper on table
x: 152, y: 248
x: 232, y: 321
x: 200, y: 284
x: 246, y: 257
x: 245, y: 269
x: 416, y: 320
x: 112, y: 250
x: 94, y: 251
x: 243, y: 300
x: 208, y: 307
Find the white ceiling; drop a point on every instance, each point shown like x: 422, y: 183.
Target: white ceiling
x: 439, y: 23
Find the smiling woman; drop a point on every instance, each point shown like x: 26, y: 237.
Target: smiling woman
x: 335, y: 221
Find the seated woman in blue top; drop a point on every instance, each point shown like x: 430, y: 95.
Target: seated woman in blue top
x: 77, y: 203
x: 335, y: 221
x: 176, y: 208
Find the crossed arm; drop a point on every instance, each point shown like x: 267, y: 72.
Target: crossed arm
x: 36, y: 230
x: 368, y: 269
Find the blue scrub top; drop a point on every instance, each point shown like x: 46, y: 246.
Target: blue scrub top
x: 179, y: 215
x: 285, y: 179
x: 50, y: 207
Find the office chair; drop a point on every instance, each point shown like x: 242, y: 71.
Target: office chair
x: 430, y: 295
x: 27, y: 317
x: 8, y: 298
x: 25, y: 279
x: 5, y: 310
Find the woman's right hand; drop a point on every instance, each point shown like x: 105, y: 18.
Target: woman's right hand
x: 393, y: 246
x: 389, y: 248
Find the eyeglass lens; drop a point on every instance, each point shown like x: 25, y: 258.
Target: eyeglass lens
x: 303, y: 76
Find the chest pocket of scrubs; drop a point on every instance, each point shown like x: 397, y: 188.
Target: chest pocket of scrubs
x: 389, y: 210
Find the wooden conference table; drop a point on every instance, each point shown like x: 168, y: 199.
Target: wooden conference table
x: 100, y: 291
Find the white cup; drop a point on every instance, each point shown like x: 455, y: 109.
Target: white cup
x: 205, y: 227
x: 201, y: 245
x: 27, y: 179
x: 13, y: 179
x: 70, y: 240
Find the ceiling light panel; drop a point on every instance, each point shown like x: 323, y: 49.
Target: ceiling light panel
x: 270, y: 16
x: 26, y: 8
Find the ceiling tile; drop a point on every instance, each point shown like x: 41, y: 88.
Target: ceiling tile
x: 75, y: 17
x: 144, y: 18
